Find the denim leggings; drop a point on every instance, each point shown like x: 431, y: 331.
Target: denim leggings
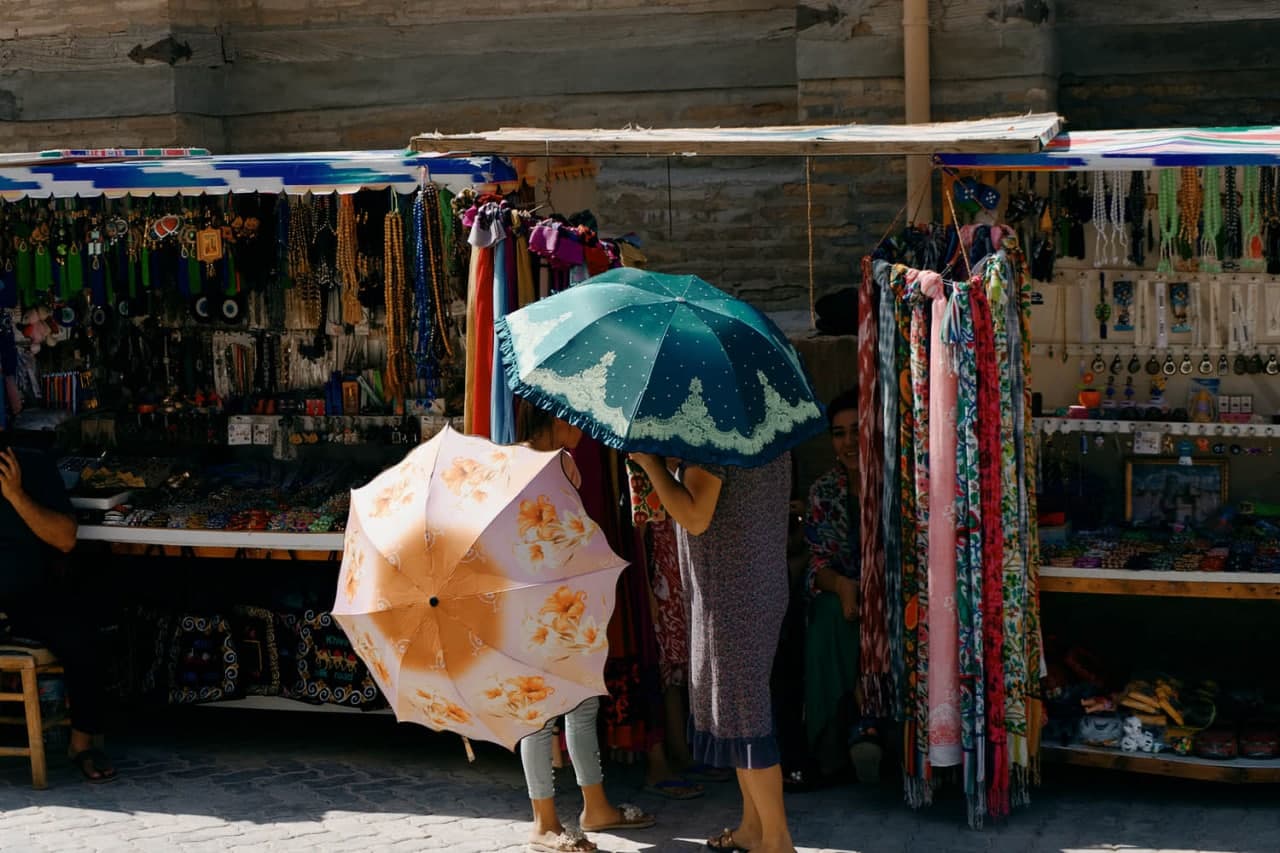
x: 584, y: 750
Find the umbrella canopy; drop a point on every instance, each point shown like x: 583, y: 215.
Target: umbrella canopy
x: 663, y: 364
x: 476, y: 589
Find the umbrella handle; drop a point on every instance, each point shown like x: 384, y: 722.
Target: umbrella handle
x: 466, y: 746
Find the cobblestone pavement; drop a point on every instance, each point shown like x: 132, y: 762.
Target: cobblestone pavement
x: 217, y: 780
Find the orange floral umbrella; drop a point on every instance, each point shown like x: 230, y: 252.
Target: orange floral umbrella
x: 477, y: 589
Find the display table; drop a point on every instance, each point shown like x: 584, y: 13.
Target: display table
x: 248, y: 544
x: 1166, y: 764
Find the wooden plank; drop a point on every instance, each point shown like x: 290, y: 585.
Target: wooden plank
x: 1104, y: 13
x: 1022, y: 53
x: 281, y: 87
x: 69, y: 95
x: 552, y: 34
x: 1241, y: 770
x: 1160, y: 588
x: 1154, y: 48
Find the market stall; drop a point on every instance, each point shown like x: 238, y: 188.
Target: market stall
x: 1156, y: 255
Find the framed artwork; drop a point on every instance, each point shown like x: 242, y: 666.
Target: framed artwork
x: 1161, y: 491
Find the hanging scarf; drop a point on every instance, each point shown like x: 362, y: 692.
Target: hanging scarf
x: 943, y: 675
x: 1027, y: 449
x: 874, y: 636
x: 992, y: 537
x: 887, y: 277
x: 920, y: 306
x: 915, y: 778
x: 959, y: 337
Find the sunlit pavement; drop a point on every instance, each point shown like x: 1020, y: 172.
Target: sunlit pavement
x: 215, y: 780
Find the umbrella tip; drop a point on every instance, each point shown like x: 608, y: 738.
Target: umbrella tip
x: 433, y: 601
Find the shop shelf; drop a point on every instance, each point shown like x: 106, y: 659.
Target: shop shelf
x: 1191, y: 430
x: 1239, y: 585
x: 1166, y: 764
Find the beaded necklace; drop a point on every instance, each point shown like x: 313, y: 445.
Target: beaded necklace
x: 1168, y: 218
x: 398, y: 367
x: 1251, y: 222
x: 437, y: 255
x: 425, y: 368
x: 1119, y: 237
x: 1100, y: 224
x: 1212, y: 218
x: 1231, y: 219
x: 1189, y: 196
x: 1136, y: 212
x: 352, y: 312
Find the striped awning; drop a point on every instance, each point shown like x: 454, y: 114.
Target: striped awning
x: 1135, y: 150
x: 117, y: 172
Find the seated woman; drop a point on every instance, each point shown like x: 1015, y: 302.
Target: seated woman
x: 831, y: 639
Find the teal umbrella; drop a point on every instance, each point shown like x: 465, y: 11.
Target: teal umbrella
x: 662, y: 364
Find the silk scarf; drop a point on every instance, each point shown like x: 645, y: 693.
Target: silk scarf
x: 874, y: 634
x: 887, y: 277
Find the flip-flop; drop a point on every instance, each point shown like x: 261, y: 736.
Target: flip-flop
x: 633, y: 817
x: 676, y: 789
x: 100, y: 763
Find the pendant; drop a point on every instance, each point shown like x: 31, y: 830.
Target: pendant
x: 1169, y: 367
x: 1223, y: 366
x: 1134, y: 364
x: 1116, y: 365
x: 1255, y: 364
x: 1153, y: 366
x: 1185, y: 367
x: 1273, y: 366
x: 1240, y: 365
x: 1206, y: 365
x: 1099, y: 363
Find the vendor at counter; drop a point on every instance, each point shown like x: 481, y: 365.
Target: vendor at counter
x: 37, y: 525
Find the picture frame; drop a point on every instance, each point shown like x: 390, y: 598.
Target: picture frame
x: 1160, y: 491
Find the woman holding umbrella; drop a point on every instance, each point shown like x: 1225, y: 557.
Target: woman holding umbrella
x: 541, y: 431
x: 733, y: 551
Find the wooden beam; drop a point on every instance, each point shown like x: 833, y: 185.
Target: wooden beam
x: 139, y: 90
x: 1022, y: 53
x: 1155, y: 48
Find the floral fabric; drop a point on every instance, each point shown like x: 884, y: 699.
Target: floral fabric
x: 833, y: 539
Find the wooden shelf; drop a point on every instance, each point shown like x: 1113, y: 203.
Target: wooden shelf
x: 1234, y: 585
x: 1167, y: 764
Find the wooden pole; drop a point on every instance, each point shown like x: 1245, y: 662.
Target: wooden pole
x: 915, y: 57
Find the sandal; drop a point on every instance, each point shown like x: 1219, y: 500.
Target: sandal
x: 91, y: 761
x: 676, y: 789
x: 724, y: 841
x: 632, y: 817
x: 570, y: 840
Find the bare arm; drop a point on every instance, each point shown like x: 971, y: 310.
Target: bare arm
x: 691, y: 503
x: 54, y: 528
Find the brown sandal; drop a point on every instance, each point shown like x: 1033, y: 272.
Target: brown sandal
x: 724, y: 842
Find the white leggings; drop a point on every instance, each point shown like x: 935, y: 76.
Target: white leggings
x: 584, y: 750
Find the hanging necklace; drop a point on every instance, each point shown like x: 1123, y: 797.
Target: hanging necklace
x: 1251, y: 258
x: 1168, y: 214
x: 352, y: 312
x: 398, y: 368
x: 1231, y: 219
x: 1101, y: 226
x: 1119, y: 237
x: 1189, y: 210
x: 1136, y: 212
x: 1212, y: 218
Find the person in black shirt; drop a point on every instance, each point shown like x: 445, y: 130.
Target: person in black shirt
x: 36, y: 523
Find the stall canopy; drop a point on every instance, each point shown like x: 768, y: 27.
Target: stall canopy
x: 115, y: 172
x: 1021, y: 134
x: 1136, y: 150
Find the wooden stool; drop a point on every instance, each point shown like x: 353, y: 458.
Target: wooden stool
x: 30, y: 664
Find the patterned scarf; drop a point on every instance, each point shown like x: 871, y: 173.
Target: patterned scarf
x: 920, y: 306
x: 992, y: 540
x: 886, y: 275
x: 915, y: 731
x: 874, y: 636
x: 959, y: 336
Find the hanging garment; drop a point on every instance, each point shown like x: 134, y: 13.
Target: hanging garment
x: 480, y: 390
x: 943, y: 671
x: 992, y: 538
x: 874, y: 633
x: 920, y: 306
x: 887, y: 278
x: 502, y: 415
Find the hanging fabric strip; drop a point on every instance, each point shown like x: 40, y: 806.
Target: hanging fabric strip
x: 917, y: 781
x: 873, y: 628
x: 887, y: 281
x: 959, y: 337
x: 921, y: 306
x: 938, y: 623
x: 991, y: 480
